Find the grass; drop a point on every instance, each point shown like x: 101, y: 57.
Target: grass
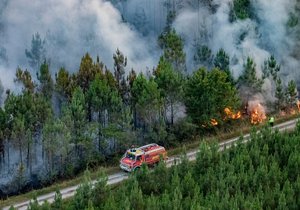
x: 242, y: 128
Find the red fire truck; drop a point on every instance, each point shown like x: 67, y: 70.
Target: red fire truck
x: 135, y: 157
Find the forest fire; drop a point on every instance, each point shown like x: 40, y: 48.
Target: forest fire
x: 257, y: 112
x: 232, y: 115
x: 291, y: 110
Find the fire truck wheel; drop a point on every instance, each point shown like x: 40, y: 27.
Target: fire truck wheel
x: 137, y: 168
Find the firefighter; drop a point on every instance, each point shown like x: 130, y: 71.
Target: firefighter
x: 271, y: 121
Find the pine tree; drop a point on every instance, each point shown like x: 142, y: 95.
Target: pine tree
x: 207, y: 94
x: 172, y: 44
x: 24, y: 77
x: 242, y: 9
x: 152, y: 203
x: 111, y: 203
x: 203, y: 56
x: 271, y: 68
x: 37, y: 53
x: 222, y: 62
x: 249, y: 77
x: 33, y: 204
x: 291, y: 94
x: 136, y: 196
x: 170, y: 84
x: 18, y: 135
x: 120, y: 62
x: 83, y: 193
x: 279, y: 94
x: 57, y: 204
x: 100, y: 190
x: 46, y: 82
x: 64, y: 83
x: 76, y: 113
x: 146, y: 100
x: 87, y: 72
x: 104, y: 99
x: 3, y: 136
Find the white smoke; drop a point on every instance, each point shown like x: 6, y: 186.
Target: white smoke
x: 71, y: 28
x: 148, y: 16
x: 259, y: 38
x: 7, y: 76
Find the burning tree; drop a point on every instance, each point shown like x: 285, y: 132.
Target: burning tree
x: 231, y: 115
x: 256, y: 111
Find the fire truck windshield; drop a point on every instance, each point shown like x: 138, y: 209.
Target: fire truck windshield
x: 130, y: 156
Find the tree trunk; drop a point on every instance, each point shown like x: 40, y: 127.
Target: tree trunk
x: 20, y: 150
x: 43, y: 152
x: 35, y: 152
x: 172, y: 113
x: 89, y: 112
x: 52, y: 162
x: 60, y: 165
x: 99, y: 131
x: 8, y: 159
x: 134, y: 118
x: 28, y: 154
x: 2, y: 149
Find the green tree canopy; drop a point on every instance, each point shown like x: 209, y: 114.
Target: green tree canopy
x: 146, y: 98
x: 203, y: 55
x: 24, y: 77
x: 207, y: 94
x: 291, y: 94
x: 249, y: 78
x: 222, y: 62
x: 271, y: 68
x: 242, y: 9
x: 88, y: 71
x: 64, y: 83
x: 172, y: 45
x: 120, y: 62
x: 37, y: 53
x: 46, y: 82
x: 170, y: 85
x: 103, y: 98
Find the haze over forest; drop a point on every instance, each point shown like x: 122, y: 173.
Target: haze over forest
x: 72, y: 28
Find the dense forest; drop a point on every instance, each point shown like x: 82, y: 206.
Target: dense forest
x: 57, y: 121
x: 261, y: 174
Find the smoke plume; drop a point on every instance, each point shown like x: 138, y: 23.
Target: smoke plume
x: 70, y: 29
x: 266, y: 34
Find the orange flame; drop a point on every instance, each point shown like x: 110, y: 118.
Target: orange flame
x: 214, y: 122
x: 232, y: 115
x: 257, y: 112
x: 292, y: 111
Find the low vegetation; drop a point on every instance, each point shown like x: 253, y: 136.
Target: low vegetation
x: 261, y: 174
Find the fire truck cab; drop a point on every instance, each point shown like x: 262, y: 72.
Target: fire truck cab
x: 135, y: 157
